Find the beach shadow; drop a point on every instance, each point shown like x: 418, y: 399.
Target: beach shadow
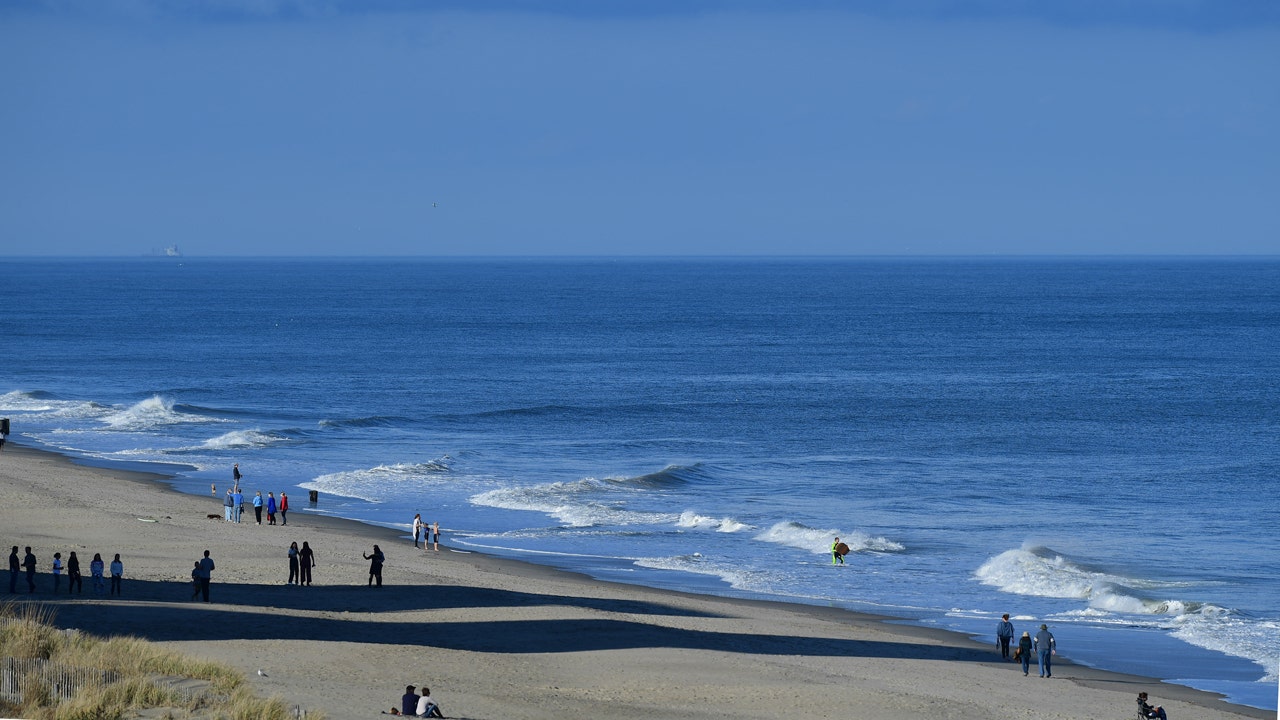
x: 237, y: 614
x: 356, y: 598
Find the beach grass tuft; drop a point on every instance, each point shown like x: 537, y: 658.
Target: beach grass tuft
x: 142, y: 676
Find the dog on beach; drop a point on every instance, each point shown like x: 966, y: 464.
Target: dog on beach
x: 214, y: 516
x: 1017, y: 654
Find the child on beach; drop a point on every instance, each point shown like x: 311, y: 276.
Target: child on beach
x: 195, y: 581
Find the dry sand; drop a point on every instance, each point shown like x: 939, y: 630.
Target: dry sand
x: 500, y: 639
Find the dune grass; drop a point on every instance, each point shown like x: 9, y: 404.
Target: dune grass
x: 145, y: 673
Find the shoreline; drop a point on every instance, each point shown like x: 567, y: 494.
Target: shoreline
x: 498, y: 637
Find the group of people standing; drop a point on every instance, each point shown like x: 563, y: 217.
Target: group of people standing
x: 75, y: 581
x: 233, y: 503
x: 428, y: 534
x: 1044, y: 645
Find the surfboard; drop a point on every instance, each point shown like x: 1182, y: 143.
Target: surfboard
x: 842, y: 549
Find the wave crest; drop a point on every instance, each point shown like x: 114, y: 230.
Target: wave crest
x: 690, y: 519
x: 565, y: 501
x: 1042, y: 572
x: 803, y: 537
x: 155, y: 411
x: 368, y: 484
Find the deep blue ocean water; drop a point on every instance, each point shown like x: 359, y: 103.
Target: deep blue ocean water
x: 1089, y: 443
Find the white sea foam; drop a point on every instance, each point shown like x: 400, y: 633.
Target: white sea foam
x: 735, y: 576
x: 569, y: 503
x: 372, y: 484
x: 42, y: 407
x: 691, y: 519
x: 1043, y: 573
x: 152, y: 412
x: 1228, y: 633
x: 803, y: 537
x: 242, y: 439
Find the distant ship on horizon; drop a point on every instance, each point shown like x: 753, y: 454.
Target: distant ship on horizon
x: 172, y: 251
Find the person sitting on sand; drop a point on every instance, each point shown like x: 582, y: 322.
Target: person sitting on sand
x: 409, y: 701
x: 1147, y: 711
x: 427, y: 706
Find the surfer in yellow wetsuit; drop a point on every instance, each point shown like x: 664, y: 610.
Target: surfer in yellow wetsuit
x: 836, y: 556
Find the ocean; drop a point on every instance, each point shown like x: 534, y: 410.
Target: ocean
x: 1089, y: 443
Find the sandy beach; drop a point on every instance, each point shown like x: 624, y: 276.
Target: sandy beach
x: 494, y: 638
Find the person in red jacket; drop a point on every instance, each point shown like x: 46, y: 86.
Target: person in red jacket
x: 284, y: 508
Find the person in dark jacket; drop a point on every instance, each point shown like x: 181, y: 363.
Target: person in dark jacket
x: 1023, y: 652
x: 1004, y: 635
x: 375, y: 565
x: 409, y: 701
x: 30, y: 563
x: 15, y: 567
x: 1148, y: 711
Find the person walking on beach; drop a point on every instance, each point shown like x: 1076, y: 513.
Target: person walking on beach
x: 57, y: 571
x: 96, y: 569
x: 417, y: 530
x: 228, y: 504
x: 1024, y: 652
x: 293, y: 564
x: 435, y: 536
x: 195, y: 581
x: 30, y: 563
x: 206, y: 574
x: 235, y: 474
x: 237, y: 504
x: 15, y: 567
x: 1004, y: 635
x: 117, y: 574
x: 307, y: 559
x: 836, y: 557
x: 284, y: 508
x: 271, y: 508
x: 257, y: 506
x: 1046, y: 645
x: 74, y: 579
x: 375, y: 565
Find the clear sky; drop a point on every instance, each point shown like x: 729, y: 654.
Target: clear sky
x: 639, y: 127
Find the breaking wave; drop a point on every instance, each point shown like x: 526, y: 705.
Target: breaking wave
x: 690, y: 519
x: 803, y: 537
x: 371, y: 484
x: 1043, y: 573
x: 569, y: 502
x: 153, y: 412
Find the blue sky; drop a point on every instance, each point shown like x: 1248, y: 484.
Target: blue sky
x: 640, y: 127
